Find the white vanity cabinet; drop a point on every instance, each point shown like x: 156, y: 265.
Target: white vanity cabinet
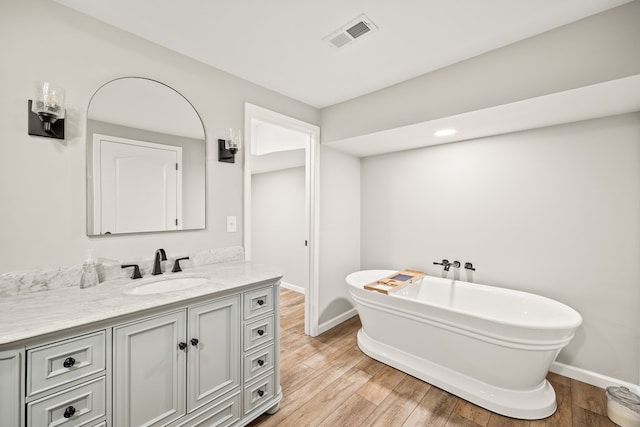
x: 11, y: 387
x: 171, y: 365
x: 261, y: 349
x: 66, y: 381
x: 208, y: 359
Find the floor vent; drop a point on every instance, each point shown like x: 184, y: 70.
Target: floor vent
x: 348, y: 33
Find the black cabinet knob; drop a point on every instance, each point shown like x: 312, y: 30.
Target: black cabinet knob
x: 260, y: 362
x: 194, y: 341
x: 182, y: 345
x: 260, y: 393
x: 69, y: 362
x: 68, y: 413
x: 260, y: 332
x: 260, y: 302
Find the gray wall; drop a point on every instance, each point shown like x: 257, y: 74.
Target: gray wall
x: 599, y: 48
x: 339, y: 230
x: 42, y: 180
x: 552, y: 211
x: 278, y: 222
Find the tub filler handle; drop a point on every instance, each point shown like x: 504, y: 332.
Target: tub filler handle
x: 469, y: 266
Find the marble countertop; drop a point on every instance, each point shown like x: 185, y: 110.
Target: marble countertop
x: 27, y: 316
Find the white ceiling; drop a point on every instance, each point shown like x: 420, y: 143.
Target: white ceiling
x: 275, y: 148
x: 278, y: 43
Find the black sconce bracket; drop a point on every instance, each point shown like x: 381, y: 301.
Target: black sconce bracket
x: 224, y: 154
x: 36, y: 126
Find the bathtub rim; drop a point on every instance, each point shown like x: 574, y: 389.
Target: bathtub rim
x: 384, y: 273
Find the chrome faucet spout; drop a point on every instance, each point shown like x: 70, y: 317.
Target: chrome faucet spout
x: 160, y: 256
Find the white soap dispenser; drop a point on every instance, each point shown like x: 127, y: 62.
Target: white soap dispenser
x: 89, y: 273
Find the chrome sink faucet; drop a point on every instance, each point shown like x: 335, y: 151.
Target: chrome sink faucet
x: 160, y: 256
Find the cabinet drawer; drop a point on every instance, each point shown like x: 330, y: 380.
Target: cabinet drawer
x: 60, y: 363
x: 222, y: 414
x: 258, y: 332
x: 258, y: 362
x: 258, y: 392
x: 258, y: 302
x: 78, y: 406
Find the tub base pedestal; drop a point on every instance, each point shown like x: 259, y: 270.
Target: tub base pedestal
x: 530, y: 404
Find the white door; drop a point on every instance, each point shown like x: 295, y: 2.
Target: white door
x: 138, y: 186
x: 149, y: 387
x: 214, y: 350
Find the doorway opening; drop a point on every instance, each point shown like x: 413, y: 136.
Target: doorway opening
x: 281, y: 200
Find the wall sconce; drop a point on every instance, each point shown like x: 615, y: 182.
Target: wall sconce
x: 47, y: 111
x: 227, y: 148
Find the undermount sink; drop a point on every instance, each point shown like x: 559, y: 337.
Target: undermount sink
x: 163, y: 284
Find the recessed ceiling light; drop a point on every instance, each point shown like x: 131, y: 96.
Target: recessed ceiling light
x: 445, y: 132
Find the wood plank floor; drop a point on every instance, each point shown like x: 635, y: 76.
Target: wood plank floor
x: 328, y: 381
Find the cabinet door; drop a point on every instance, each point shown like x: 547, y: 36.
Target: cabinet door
x: 10, y: 388
x: 214, y: 350
x: 149, y: 371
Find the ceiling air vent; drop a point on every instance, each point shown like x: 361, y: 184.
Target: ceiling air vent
x: 349, y: 32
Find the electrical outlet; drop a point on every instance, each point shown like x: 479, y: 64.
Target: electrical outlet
x: 231, y: 224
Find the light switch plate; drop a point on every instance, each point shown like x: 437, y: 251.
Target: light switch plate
x: 231, y: 224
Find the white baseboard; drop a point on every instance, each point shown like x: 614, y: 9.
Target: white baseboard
x: 294, y: 288
x: 324, y: 327
x: 590, y: 377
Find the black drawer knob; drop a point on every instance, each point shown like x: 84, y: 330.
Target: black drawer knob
x: 68, y: 413
x: 260, y: 332
x: 182, y: 345
x: 260, y: 393
x: 260, y: 362
x: 260, y: 302
x: 194, y: 341
x: 69, y: 362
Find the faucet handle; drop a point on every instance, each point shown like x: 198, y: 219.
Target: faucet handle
x: 136, y: 271
x: 176, y: 264
x: 469, y: 266
x: 444, y: 262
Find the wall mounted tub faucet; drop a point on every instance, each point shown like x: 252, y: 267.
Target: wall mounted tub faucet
x: 160, y: 256
x: 447, y: 265
x: 454, y: 264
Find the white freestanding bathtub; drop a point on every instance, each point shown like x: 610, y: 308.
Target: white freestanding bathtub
x: 490, y: 346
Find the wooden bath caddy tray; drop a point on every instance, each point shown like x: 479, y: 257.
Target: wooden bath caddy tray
x: 395, y: 281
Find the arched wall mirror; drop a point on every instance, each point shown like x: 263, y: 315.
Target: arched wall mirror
x: 146, y: 159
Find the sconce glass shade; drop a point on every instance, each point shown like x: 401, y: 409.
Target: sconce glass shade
x: 233, y: 141
x: 48, y: 103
